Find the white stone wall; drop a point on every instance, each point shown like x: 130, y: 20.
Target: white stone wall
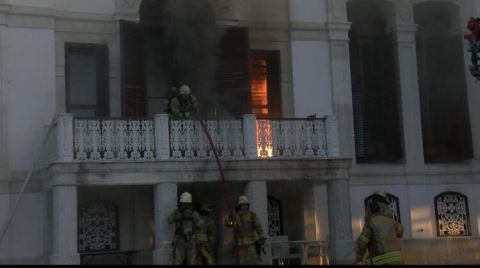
x: 25, y: 237
x: 311, y: 78
x: 416, y: 199
x: 30, y: 88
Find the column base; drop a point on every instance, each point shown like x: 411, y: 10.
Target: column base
x: 71, y: 259
x: 163, y: 255
x: 342, y: 252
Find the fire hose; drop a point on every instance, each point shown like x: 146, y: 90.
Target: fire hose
x: 228, y: 195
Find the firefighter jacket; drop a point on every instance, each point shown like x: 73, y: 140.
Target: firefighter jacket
x: 247, y: 225
x: 379, y: 236
x: 187, y: 222
x: 206, y: 232
x: 386, y: 211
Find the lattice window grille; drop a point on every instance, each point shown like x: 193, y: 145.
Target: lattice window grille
x: 451, y: 210
x: 274, y: 217
x: 98, y: 227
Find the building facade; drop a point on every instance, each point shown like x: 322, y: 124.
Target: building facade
x: 313, y: 106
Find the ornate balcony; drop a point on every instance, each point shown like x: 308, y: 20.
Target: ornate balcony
x: 160, y: 138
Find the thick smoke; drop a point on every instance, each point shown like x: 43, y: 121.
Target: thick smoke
x: 190, y: 45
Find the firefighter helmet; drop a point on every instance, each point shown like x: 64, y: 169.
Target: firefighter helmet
x: 381, y: 196
x: 243, y: 200
x: 186, y: 197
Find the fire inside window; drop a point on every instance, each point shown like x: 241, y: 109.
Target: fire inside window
x: 259, y: 100
x: 259, y: 87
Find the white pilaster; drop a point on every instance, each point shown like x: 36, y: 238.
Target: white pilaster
x: 65, y: 240
x: 257, y: 194
x: 165, y: 198
x: 65, y: 137
x: 406, y: 57
x: 250, y: 135
x: 338, y: 27
x: 341, y: 244
x: 331, y: 128
x: 162, y: 137
x: 3, y: 109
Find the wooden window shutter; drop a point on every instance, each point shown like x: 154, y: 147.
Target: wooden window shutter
x: 274, y: 84
x: 233, y: 80
x: 375, y: 100
x: 132, y: 68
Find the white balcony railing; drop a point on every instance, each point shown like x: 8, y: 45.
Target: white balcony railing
x: 162, y: 139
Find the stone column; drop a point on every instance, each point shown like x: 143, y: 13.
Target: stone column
x: 65, y: 240
x: 165, y: 198
x: 315, y: 212
x: 341, y: 247
x: 257, y: 194
x: 406, y: 58
x: 338, y: 27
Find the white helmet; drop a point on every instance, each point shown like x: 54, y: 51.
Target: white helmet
x: 186, y: 197
x: 382, y: 196
x: 243, y: 200
x: 381, y: 193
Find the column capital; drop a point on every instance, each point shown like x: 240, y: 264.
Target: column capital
x: 404, y: 33
x: 338, y: 31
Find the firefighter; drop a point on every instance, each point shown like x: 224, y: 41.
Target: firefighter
x: 187, y: 221
x: 247, y: 226
x: 205, y: 237
x: 380, y: 197
x: 379, y: 236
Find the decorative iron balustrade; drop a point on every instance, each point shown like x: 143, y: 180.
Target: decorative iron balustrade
x: 113, y: 139
x: 291, y: 138
x: 163, y: 139
x: 188, y: 140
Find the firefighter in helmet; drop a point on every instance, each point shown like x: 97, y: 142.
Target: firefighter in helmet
x: 248, y: 227
x: 186, y: 221
x: 205, y: 237
x: 379, y: 236
x: 381, y: 198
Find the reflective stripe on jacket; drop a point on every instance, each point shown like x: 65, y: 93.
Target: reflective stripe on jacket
x: 390, y: 257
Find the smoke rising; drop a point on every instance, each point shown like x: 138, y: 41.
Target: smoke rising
x: 189, y: 47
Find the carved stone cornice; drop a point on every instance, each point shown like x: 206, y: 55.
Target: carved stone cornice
x: 154, y: 172
x: 404, y: 33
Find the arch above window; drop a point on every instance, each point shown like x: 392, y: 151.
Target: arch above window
x: 451, y: 214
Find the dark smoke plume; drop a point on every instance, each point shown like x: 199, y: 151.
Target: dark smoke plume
x: 189, y: 50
